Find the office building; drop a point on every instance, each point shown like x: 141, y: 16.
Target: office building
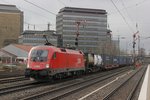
x: 90, y: 24
x: 34, y: 37
x: 11, y: 24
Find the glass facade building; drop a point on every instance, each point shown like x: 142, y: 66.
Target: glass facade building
x: 90, y: 23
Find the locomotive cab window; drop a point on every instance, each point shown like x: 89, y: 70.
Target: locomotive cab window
x: 39, y: 55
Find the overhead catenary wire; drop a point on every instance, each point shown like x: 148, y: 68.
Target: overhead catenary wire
x: 122, y: 16
x: 126, y: 11
x: 33, y: 12
x: 131, y: 6
x: 40, y: 7
x: 139, y: 3
x: 62, y: 2
x: 25, y: 22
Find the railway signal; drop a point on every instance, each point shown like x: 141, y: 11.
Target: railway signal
x: 78, y: 23
x: 134, y: 44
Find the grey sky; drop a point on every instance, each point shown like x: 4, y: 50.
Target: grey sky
x: 134, y: 11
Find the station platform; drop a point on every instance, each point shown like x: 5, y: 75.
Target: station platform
x: 145, y: 90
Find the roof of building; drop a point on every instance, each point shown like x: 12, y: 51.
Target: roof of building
x: 83, y: 10
x: 23, y: 47
x: 8, y: 8
x: 4, y: 53
x: 39, y: 32
x: 17, y: 50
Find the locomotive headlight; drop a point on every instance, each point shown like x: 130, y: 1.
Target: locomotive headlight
x: 28, y: 66
x: 47, y: 66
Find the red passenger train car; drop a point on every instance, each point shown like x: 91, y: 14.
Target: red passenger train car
x: 45, y: 62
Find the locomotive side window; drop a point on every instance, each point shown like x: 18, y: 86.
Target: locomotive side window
x: 54, y: 55
x: 39, y: 55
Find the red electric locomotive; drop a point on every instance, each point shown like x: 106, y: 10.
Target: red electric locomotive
x: 45, y: 62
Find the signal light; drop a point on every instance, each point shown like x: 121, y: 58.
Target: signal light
x: 134, y: 44
x: 76, y: 39
x: 76, y: 43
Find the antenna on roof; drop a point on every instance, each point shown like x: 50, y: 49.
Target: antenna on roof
x: 48, y: 26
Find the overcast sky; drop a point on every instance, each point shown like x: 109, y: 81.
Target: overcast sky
x: 122, y: 22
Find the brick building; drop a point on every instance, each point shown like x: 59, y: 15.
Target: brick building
x: 11, y: 24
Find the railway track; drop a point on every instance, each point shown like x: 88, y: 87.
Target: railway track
x: 135, y: 87
x: 29, y: 89
x: 12, y: 79
x: 8, y: 74
x: 58, y: 93
x: 28, y: 85
x: 123, y: 91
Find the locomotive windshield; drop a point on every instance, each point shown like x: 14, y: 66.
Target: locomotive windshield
x: 39, y: 55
